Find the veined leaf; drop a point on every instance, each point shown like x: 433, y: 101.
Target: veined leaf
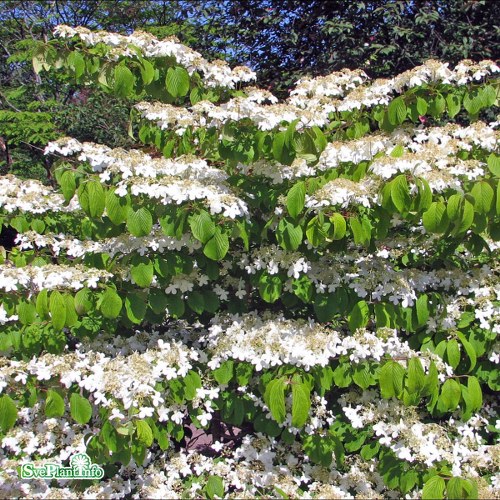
x: 110, y: 304
x: 54, y: 404
x: 400, y: 193
x: 391, y: 379
x: 295, y: 199
x: 177, y: 81
x: 80, y: 408
x: 275, y: 399
x: 301, y: 402
x: 217, y: 246
x: 8, y: 413
x: 139, y: 222
x: 124, y: 81
x: 397, y: 111
x: 434, y: 488
x: 435, y: 218
x: 202, y: 226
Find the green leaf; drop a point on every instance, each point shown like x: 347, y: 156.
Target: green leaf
x: 422, y: 309
x: 301, y: 402
x: 217, y: 246
x: 469, y: 349
x: 433, y: 488
x: 424, y: 198
x: 26, y: 312
x: 342, y: 375
x: 68, y: 184
x: 57, y: 310
x: 147, y: 72
x: 124, y: 81
x: 454, y: 206
x: 202, y: 226
x: 80, y: 408
x: 361, y: 230
x: 139, y: 222
x: 8, y: 413
x: 142, y: 271
x: 408, y: 480
x: 483, y: 197
x: 315, y: 232
x: 435, y: 219
x: 437, y: 105
x: 494, y: 164
x: 368, y: 451
x: 362, y: 376
x: 177, y: 81
x: 466, y: 220
x: 270, y: 287
x: 450, y: 396
x: 319, y: 449
x: 83, y: 301
x: 224, y: 373
x: 110, y: 304
x: 324, y: 307
x: 397, y: 111
x: 303, y: 288
x: 214, y: 487
x: 391, y: 379
x: 54, y: 404
x: 135, y: 306
x: 473, y: 102
x: 42, y: 304
x: 454, y: 489
x: 76, y: 63
x: 453, y: 102
x: 288, y: 235
x: 71, y: 315
x: 117, y: 207
x: 275, y: 399
x: 144, y: 432
x: 400, y: 193
x: 279, y: 146
x: 92, y: 198
x: 452, y: 353
x: 339, y: 225
x: 475, y: 393
x: 421, y: 106
x: 196, y: 302
x: 416, y: 376
x: 398, y: 151
x: 295, y: 199
x: 359, y: 316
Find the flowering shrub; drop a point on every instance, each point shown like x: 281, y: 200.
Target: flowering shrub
x: 311, y: 286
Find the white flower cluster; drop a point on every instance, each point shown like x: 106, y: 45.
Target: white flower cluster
x: 72, y: 247
x: 258, y: 466
x: 375, y: 276
x: 119, y: 376
x: 215, y: 74
x: 313, y: 101
x: 134, y: 163
x: 30, y: 196
x: 341, y: 193
x: 333, y: 85
x: 401, y: 429
x: 169, y: 181
x: 50, y: 277
x: 266, y: 340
